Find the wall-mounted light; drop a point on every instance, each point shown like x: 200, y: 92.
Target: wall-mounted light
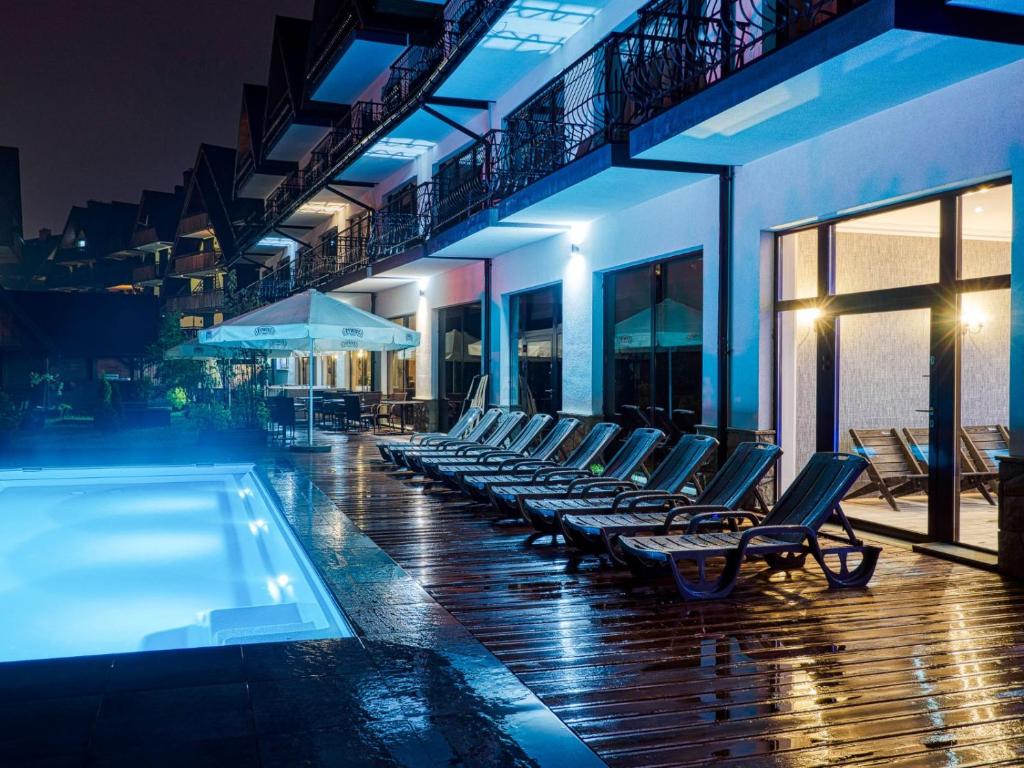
x: 808, y: 315
x: 578, y: 234
x: 423, y: 282
x: 972, y: 319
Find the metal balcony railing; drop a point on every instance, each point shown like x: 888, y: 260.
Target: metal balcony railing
x: 245, y: 167
x: 341, y: 23
x: 278, y: 119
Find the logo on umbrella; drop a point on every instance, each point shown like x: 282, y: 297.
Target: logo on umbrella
x: 264, y: 330
x: 357, y: 332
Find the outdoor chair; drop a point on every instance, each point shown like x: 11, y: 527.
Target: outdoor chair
x: 735, y: 483
x: 385, y: 414
x: 282, y: 416
x: 971, y: 477
x: 458, y: 430
x: 589, y: 449
x: 986, y: 444
x: 432, y: 445
x: 893, y: 468
x: 503, y: 430
x: 456, y: 475
x: 678, y: 467
x: 783, y: 538
x: 628, y: 459
x: 477, y: 456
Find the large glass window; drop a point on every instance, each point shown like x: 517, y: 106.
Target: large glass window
x: 461, y: 330
x: 536, y: 334
x: 654, y: 322
x: 402, y: 364
x: 914, y: 379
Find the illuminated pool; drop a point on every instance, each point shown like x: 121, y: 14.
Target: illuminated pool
x: 147, y: 558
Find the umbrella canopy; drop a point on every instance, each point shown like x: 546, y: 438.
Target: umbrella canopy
x: 310, y: 319
x: 311, y: 322
x: 193, y: 351
x: 678, y: 326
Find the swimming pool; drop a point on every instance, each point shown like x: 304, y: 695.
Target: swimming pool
x: 124, y: 559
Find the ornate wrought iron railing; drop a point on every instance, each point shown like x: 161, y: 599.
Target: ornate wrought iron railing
x: 399, y: 225
x: 329, y: 34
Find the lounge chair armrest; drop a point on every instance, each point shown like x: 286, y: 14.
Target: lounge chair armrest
x: 726, y: 516
x: 434, y: 439
x: 607, y: 484
x: 693, y: 511
x: 549, y: 473
x: 630, y: 499
x: 466, y: 450
x: 523, y: 464
x: 587, y: 482
x: 805, y: 532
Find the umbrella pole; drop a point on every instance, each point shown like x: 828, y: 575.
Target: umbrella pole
x: 309, y: 413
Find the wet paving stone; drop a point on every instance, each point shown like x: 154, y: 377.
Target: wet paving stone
x: 322, y: 658
x: 176, y: 669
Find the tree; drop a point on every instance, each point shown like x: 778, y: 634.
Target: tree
x: 191, y: 375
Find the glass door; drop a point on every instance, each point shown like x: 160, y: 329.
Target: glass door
x: 536, y: 331
x: 460, y: 331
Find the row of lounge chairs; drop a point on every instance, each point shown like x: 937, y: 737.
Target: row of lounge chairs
x: 658, y: 525
x: 898, y: 460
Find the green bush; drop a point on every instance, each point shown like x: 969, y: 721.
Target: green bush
x: 177, y: 398
x: 209, y: 417
x: 8, y: 412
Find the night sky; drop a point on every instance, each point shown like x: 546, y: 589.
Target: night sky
x: 106, y: 97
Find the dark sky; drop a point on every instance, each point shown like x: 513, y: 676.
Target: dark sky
x: 105, y: 97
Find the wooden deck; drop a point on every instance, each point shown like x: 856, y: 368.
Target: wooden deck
x: 924, y: 669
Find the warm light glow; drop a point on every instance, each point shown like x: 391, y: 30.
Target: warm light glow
x: 808, y: 315
x: 972, y: 319
x: 323, y: 207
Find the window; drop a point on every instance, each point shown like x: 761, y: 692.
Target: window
x: 402, y: 364
x: 654, y: 330
x: 536, y: 338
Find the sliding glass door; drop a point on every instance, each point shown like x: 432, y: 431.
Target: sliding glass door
x: 892, y: 339
x: 654, y: 317
x: 535, y: 319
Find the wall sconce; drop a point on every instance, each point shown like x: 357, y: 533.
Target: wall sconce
x: 808, y: 315
x: 972, y: 320
x: 423, y: 282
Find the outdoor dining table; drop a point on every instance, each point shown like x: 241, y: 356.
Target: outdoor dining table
x: 402, y: 406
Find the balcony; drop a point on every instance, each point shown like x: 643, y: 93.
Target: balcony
x: 196, y: 225
x: 198, y: 264
x: 199, y: 302
x: 147, y: 274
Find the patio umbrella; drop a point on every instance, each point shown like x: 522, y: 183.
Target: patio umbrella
x: 310, y: 322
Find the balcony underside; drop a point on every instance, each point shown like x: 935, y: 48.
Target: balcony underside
x: 483, y: 235
x: 297, y: 140
x: 421, y: 130
x: 262, y: 184
x: 597, y: 184
x: 521, y: 40
x: 862, y: 64
x: 394, y: 271
x: 361, y: 59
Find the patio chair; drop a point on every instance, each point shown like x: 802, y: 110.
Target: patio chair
x: 485, y: 455
x: 971, y: 477
x: 497, y: 438
x: 590, y: 448
x: 783, y: 538
x: 735, y: 483
x: 385, y: 412
x: 893, y: 468
x: 678, y: 467
x: 476, y: 434
x: 459, y: 429
x: 985, y: 444
x: 568, y: 482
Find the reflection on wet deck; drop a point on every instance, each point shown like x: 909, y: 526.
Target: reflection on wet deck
x: 924, y: 669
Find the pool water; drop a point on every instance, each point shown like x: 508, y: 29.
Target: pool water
x: 123, y: 559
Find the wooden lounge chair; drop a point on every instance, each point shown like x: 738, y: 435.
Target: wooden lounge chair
x: 893, y: 468
x: 459, y: 430
x: 783, y: 538
x: 432, y: 444
x: 971, y: 477
x: 562, y: 482
x: 581, y: 457
x: 678, y: 467
x: 504, y: 427
x: 486, y: 454
x: 735, y: 483
x: 986, y: 444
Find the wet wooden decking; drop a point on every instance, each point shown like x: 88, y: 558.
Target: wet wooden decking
x: 924, y: 669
